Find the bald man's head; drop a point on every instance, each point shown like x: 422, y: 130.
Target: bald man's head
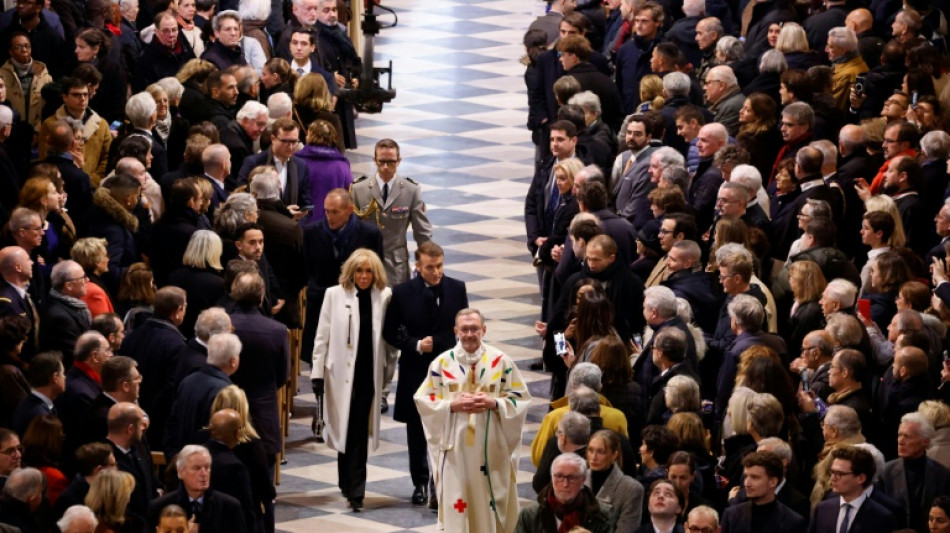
x: 859, y: 20
x: 225, y: 426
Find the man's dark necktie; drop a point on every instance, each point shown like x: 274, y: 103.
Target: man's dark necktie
x: 385, y: 192
x: 552, y: 206
x: 195, y: 509
x: 847, y: 516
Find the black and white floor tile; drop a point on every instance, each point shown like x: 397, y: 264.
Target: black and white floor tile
x: 459, y: 117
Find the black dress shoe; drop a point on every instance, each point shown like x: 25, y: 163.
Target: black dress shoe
x: 434, y: 503
x: 537, y: 365
x: 384, y: 406
x: 356, y: 504
x: 419, y: 495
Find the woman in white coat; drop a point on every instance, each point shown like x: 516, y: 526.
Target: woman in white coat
x: 349, y: 358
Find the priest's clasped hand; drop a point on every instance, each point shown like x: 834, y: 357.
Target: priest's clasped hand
x: 473, y: 403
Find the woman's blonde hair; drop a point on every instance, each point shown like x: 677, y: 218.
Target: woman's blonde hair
x: 88, y: 251
x: 311, y: 91
x: 232, y: 397
x: 195, y: 68
x: 204, y: 250
x: 356, y: 260
x: 651, y: 91
x: 109, y: 495
x: 791, y: 39
x: 689, y: 430
x: 938, y: 413
x: 811, y: 281
x: 882, y: 202
x: 570, y: 167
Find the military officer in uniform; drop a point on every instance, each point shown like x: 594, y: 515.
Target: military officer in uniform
x: 398, y: 203
x: 392, y: 203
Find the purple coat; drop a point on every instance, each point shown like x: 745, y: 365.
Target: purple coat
x: 328, y: 169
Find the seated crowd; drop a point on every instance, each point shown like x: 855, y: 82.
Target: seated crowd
x: 741, y: 225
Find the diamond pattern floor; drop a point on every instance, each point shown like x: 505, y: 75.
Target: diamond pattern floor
x: 459, y: 117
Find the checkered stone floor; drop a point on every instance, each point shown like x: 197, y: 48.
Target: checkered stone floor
x: 459, y: 118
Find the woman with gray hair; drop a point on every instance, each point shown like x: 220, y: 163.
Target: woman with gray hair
x: 200, y: 276
x: 728, y: 50
x: 771, y: 66
x: 840, y: 427
x: 589, y: 102
x: 176, y: 136
x: 142, y: 113
x: 240, y: 208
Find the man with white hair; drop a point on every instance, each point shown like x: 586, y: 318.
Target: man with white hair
x: 303, y: 18
x: 567, y: 490
x: 196, y: 392
x: 210, y: 322
x: 279, y: 105
x: 708, y: 32
x: 63, y: 314
x: 703, y: 519
x: 589, y: 102
x: 216, y: 160
x: 78, y: 519
x: 241, y: 136
x: 942, y: 223
x: 573, y: 432
x: 22, y: 496
x: 140, y: 110
x: 724, y: 97
x: 914, y: 479
x: 757, y: 206
x: 707, y: 179
x: 676, y: 87
x: 207, y: 508
x: 842, y: 50
x: 660, y: 312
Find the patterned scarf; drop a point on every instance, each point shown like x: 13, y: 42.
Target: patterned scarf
x: 568, y: 513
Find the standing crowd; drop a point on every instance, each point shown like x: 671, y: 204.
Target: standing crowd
x: 740, y: 219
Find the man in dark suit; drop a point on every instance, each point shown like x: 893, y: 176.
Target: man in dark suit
x: 748, y: 315
x: 852, y: 470
x: 249, y: 244
x: 63, y: 313
x: 294, y: 177
x: 687, y: 280
x: 914, y: 479
x: 659, y: 309
x: 155, y: 345
x: 216, y: 160
x: 327, y: 243
x: 703, y: 190
x: 196, y: 392
x: 420, y: 322
x: 210, y: 322
x: 786, y: 494
x: 669, y: 357
x: 763, y: 471
x: 265, y: 360
x: 22, y: 495
x: 76, y: 183
x: 16, y: 268
x: 47, y: 381
x: 126, y: 424
x: 228, y: 474
x: 83, y: 379
x: 214, y: 510
x: 179, y: 222
x: 284, y: 240
x: 575, y: 53
x: 120, y: 383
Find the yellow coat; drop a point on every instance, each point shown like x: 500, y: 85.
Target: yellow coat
x: 844, y: 76
x: 15, y: 94
x: 96, y: 150
x: 613, y: 419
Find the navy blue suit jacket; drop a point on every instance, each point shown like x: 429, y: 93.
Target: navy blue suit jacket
x: 410, y: 318
x: 297, y: 191
x: 192, y: 408
x: 871, y: 517
x: 28, y: 409
x: 738, y: 519
x: 81, y: 390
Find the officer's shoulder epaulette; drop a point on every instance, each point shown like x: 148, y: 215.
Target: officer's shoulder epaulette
x: 412, y: 181
x: 5, y: 300
x: 364, y: 177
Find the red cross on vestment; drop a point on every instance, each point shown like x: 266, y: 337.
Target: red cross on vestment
x: 460, y: 506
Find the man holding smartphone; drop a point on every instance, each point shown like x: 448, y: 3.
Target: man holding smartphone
x: 292, y: 171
